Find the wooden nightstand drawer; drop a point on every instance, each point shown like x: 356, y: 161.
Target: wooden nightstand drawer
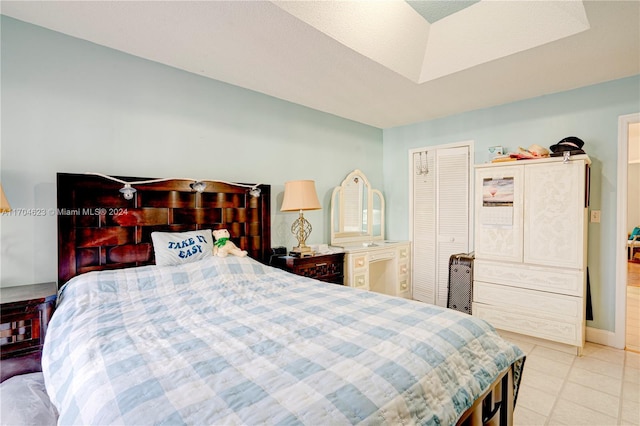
x: 24, y: 315
x: 323, y: 267
x: 20, y: 332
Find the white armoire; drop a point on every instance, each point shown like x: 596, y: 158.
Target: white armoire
x: 531, y: 247
x: 440, y: 216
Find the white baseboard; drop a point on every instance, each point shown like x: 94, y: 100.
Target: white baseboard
x: 527, y: 342
x: 593, y: 335
x: 602, y: 337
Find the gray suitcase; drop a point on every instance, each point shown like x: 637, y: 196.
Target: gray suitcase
x: 460, y: 282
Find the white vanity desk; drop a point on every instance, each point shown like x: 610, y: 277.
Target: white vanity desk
x: 357, y: 226
x: 383, y: 268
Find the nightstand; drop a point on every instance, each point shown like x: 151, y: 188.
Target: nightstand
x: 24, y: 315
x: 323, y: 267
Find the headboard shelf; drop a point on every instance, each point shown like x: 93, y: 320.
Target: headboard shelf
x: 99, y: 229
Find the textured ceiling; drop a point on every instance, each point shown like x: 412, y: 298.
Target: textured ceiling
x: 384, y: 63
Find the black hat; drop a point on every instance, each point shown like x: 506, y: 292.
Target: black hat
x: 570, y: 143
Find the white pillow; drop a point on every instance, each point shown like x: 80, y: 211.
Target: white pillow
x: 174, y: 248
x: 24, y: 401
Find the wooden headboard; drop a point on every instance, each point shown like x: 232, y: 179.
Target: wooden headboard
x: 99, y: 229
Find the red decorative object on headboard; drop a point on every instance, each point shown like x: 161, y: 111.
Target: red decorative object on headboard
x: 99, y: 229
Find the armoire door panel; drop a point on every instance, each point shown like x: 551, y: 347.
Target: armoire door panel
x: 553, y: 192
x: 498, y: 225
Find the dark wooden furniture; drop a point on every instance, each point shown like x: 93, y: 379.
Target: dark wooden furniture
x: 99, y: 229
x: 324, y: 267
x: 24, y: 315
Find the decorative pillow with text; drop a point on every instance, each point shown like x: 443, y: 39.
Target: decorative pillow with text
x: 174, y: 248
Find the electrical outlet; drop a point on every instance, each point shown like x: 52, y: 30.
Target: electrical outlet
x: 595, y: 216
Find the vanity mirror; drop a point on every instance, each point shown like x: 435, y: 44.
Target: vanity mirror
x: 357, y: 225
x: 357, y: 211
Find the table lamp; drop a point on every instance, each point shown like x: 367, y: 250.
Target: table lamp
x: 300, y: 195
x: 4, y: 203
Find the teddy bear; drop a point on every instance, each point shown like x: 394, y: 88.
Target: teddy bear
x: 224, y: 246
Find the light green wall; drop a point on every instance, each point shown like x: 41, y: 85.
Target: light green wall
x: 591, y: 113
x: 72, y: 106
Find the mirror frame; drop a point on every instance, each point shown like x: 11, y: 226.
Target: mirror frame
x: 337, y: 197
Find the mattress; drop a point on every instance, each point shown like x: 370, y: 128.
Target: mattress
x: 232, y: 341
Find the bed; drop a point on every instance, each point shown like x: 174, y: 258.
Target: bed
x: 234, y: 341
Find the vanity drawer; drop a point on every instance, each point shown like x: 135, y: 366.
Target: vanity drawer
x: 359, y: 261
x: 404, y: 283
x: 403, y: 269
x: 382, y: 255
x: 404, y: 288
x: 552, y: 280
x: 403, y: 252
x: 359, y: 281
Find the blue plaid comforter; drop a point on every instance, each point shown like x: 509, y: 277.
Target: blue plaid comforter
x: 231, y: 341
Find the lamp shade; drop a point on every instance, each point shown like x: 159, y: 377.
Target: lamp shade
x: 4, y: 203
x: 300, y: 195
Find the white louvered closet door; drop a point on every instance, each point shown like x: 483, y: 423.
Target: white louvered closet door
x: 453, y: 212
x: 424, y: 227
x: 441, y: 216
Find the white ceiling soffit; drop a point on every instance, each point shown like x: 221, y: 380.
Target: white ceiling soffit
x: 490, y: 30
x: 391, y: 33
x: 260, y: 46
x: 396, y: 36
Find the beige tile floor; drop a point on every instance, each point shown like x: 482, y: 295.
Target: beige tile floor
x: 600, y: 388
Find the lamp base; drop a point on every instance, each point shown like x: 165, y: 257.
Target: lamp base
x: 304, y: 251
